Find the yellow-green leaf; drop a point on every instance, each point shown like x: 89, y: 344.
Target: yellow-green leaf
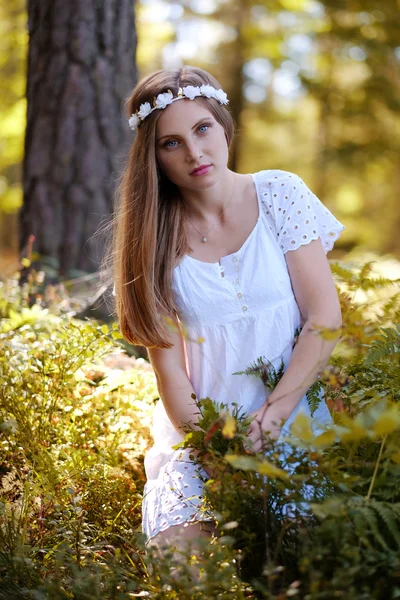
x: 354, y: 432
x: 396, y: 457
x: 267, y: 468
x: 325, y: 439
x: 229, y: 428
x: 387, y: 422
x: 294, y: 5
x: 245, y: 463
x: 182, y: 443
x: 301, y: 428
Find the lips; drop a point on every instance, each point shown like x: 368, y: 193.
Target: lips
x: 199, y: 169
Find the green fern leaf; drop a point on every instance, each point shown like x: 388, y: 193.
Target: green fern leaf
x: 346, y: 274
x: 388, y: 515
x: 385, y: 346
x: 313, y: 397
x: 264, y: 370
x: 372, y: 523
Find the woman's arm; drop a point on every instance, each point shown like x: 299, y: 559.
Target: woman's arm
x: 174, y: 385
x: 317, y: 298
x: 309, y: 357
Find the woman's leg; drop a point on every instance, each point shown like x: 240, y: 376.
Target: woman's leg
x: 182, y: 538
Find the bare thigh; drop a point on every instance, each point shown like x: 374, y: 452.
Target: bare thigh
x: 183, y: 537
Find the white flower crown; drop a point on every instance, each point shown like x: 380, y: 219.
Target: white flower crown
x: 163, y: 100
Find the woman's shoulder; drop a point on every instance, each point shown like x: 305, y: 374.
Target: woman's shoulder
x: 298, y: 215
x: 275, y: 186
x: 273, y: 176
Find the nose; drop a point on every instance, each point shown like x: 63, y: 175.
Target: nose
x: 193, y: 152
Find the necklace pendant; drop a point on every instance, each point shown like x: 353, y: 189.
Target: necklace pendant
x: 204, y: 240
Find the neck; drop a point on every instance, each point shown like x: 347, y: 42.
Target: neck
x: 204, y: 205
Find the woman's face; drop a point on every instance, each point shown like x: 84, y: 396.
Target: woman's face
x: 187, y: 137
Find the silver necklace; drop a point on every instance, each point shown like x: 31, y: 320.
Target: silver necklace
x: 204, y: 237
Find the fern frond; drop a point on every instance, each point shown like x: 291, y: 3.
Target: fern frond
x: 377, y: 282
x: 366, y: 269
x: 264, y: 371
x: 337, y: 361
x: 395, y: 506
x: 361, y: 279
x: 389, y: 516
x: 313, y: 397
x: 391, y: 305
x: 345, y: 274
x: 369, y: 515
x: 359, y: 526
x: 385, y: 346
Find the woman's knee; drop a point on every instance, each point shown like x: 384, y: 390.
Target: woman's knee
x: 183, y: 534
x: 184, y: 540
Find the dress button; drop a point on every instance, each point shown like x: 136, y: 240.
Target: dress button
x: 236, y: 280
x: 235, y: 259
x: 244, y: 308
x: 239, y: 295
x: 237, y: 268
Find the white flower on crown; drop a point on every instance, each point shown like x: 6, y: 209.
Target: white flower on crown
x: 134, y: 122
x: 144, y: 111
x: 208, y: 90
x: 221, y: 97
x: 191, y: 92
x: 163, y: 100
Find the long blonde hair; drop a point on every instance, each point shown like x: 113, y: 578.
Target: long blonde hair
x: 148, y: 238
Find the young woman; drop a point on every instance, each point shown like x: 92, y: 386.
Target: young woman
x: 212, y: 270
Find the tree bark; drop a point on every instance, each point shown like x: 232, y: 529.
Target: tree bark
x: 81, y: 67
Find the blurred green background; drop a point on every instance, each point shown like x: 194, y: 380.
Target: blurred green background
x: 314, y: 87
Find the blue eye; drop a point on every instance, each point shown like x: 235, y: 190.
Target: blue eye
x: 206, y: 125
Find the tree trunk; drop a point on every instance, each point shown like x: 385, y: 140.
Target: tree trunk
x: 81, y: 66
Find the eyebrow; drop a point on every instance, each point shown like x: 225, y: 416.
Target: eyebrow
x: 174, y: 134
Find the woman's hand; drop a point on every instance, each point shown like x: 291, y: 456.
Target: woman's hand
x: 207, y: 469
x: 265, y: 419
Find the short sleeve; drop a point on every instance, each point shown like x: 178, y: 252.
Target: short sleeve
x: 299, y: 215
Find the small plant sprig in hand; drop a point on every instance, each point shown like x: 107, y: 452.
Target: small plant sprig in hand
x: 220, y: 431
x: 265, y: 371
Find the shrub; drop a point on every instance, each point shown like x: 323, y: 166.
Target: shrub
x: 315, y: 518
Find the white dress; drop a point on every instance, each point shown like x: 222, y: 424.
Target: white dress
x: 244, y: 308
